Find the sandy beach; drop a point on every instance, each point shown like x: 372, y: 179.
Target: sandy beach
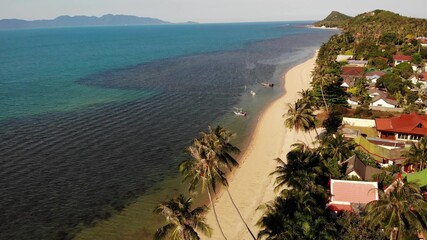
x: 250, y: 184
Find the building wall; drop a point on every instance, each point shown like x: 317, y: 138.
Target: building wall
x: 358, y: 122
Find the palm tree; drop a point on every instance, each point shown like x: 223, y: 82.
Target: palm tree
x: 300, y: 117
x: 218, y: 140
x: 417, y: 153
x: 306, y: 96
x: 203, y: 170
x: 304, y: 171
x: 181, y: 220
x: 336, y: 147
x: 404, y: 208
x: 296, y: 215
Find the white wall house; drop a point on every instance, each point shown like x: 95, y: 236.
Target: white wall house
x: 352, y: 102
x: 382, y: 103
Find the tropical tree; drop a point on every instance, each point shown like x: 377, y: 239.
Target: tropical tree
x: 306, y: 96
x: 304, y: 171
x: 218, y: 140
x: 182, y: 222
x: 203, y: 170
x: 294, y: 216
x: 417, y: 153
x: 300, y: 117
x: 336, y: 147
x: 211, y: 153
x: 403, y: 208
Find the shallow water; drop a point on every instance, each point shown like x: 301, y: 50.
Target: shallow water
x: 86, y: 130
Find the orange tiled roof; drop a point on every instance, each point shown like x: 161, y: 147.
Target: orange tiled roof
x: 402, y: 58
x: 352, y: 71
x: 405, y: 123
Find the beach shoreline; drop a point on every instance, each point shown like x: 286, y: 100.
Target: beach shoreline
x: 250, y: 184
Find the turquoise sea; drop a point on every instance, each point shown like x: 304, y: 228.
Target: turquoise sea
x: 93, y: 119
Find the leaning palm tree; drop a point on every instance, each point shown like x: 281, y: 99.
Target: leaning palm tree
x: 218, y: 140
x: 417, y: 153
x: 403, y: 208
x: 182, y: 222
x: 300, y: 117
x: 203, y: 170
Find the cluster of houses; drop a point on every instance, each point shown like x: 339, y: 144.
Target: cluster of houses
x: 355, y: 69
x: 393, y: 136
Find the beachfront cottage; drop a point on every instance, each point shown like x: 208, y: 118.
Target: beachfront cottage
x: 350, y: 195
x: 355, y: 167
x: 398, y: 59
x: 406, y: 127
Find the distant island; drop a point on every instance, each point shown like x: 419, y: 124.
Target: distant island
x: 80, y: 21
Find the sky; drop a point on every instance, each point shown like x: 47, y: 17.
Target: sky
x: 207, y: 11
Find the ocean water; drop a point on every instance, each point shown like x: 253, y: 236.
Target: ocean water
x: 93, y: 119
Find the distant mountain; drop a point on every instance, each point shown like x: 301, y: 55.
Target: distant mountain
x: 80, y: 21
x: 334, y: 19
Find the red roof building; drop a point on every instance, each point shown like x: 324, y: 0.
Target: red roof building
x: 398, y: 59
x: 406, y: 127
x: 350, y: 74
x: 344, y: 194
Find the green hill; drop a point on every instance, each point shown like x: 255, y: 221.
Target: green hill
x: 334, y: 19
x: 381, y: 21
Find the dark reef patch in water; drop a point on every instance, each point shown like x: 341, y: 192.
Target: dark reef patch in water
x: 59, y: 170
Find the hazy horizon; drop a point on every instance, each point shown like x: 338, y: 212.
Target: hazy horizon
x: 205, y: 11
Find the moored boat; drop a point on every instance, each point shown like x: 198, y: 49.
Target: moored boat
x: 240, y: 112
x: 267, y: 84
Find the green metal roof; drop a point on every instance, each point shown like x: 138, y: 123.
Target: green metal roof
x: 417, y: 177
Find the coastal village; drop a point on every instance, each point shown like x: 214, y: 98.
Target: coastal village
x: 360, y: 172
x: 339, y: 153
x: 363, y: 175
x: 384, y: 78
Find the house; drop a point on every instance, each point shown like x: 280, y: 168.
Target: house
x: 346, y: 195
x: 355, y: 167
x: 383, y: 152
x: 351, y: 73
x: 353, y: 101
x: 374, y: 76
x: 406, y: 127
x: 381, y: 99
x: 346, y: 84
x: 398, y: 59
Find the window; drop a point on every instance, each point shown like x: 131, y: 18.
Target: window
x: 419, y: 125
x: 402, y: 136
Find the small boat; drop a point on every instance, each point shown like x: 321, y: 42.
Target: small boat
x: 240, y: 112
x: 267, y: 84
x: 253, y: 93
